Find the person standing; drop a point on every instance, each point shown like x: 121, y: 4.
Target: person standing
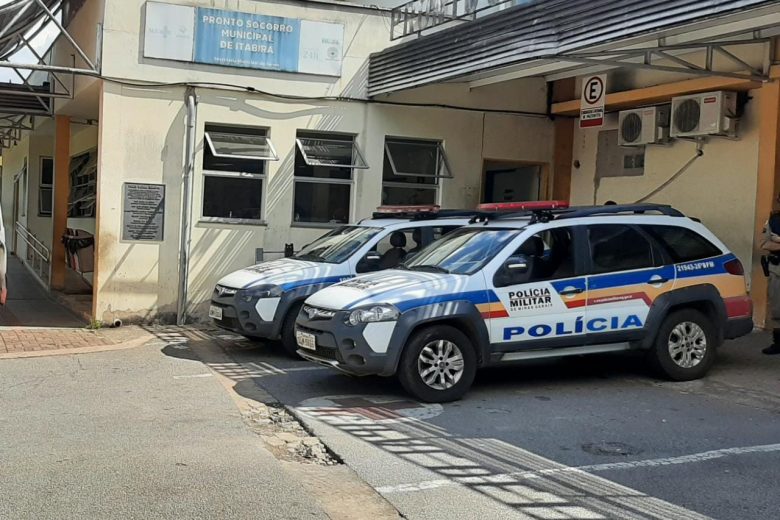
x: 771, y: 265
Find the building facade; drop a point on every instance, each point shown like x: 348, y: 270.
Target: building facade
x: 214, y: 133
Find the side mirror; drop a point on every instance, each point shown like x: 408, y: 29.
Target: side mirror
x: 517, y: 264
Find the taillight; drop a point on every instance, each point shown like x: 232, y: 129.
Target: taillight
x: 734, y: 267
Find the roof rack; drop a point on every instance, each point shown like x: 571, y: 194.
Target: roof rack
x: 545, y: 215
x: 592, y: 211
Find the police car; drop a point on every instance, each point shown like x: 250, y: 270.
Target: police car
x: 536, y: 280
x: 262, y: 301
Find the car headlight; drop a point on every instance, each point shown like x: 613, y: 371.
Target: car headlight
x: 372, y: 314
x: 259, y: 292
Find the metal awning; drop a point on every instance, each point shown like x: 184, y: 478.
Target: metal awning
x: 39, y: 81
x: 560, y: 38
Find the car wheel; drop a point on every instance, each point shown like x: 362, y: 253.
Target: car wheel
x: 685, y: 346
x: 289, y: 343
x: 438, y: 364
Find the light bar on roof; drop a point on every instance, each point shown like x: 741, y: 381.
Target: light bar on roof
x: 536, y: 205
x: 432, y: 208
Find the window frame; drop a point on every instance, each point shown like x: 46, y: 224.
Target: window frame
x: 435, y: 187
x: 207, y: 136
x: 313, y: 134
x: 359, y: 164
x: 441, y: 156
x: 42, y: 186
x: 263, y: 177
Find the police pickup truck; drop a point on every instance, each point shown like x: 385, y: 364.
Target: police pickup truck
x: 262, y: 301
x: 535, y: 280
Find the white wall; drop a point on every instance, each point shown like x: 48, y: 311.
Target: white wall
x: 719, y: 188
x: 142, y: 132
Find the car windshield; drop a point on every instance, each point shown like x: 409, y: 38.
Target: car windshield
x: 463, y: 251
x: 336, y: 246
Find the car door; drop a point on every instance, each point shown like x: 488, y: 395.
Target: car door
x: 626, y: 274
x: 546, y: 308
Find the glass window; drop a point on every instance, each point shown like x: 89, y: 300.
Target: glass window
x: 616, y: 247
x: 232, y: 198
x: 682, y: 244
x: 411, y: 172
x: 337, y: 245
x: 45, y: 192
x: 83, y: 185
x: 234, y: 168
x: 463, y: 251
x: 342, y: 153
x: 323, y: 177
x: 551, y: 253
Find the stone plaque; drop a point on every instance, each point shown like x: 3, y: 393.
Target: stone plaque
x: 144, y: 211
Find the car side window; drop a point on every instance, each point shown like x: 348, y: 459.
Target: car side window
x: 617, y: 247
x: 682, y: 244
x: 393, y: 249
x: 549, y: 255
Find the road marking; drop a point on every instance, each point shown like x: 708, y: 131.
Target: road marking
x: 269, y: 369
x: 193, y: 376
x: 667, y: 461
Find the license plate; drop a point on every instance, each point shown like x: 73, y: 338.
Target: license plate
x: 306, y: 340
x: 215, y: 312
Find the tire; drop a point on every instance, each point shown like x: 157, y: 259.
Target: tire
x: 691, y: 336
x: 431, y: 340
x: 289, y: 344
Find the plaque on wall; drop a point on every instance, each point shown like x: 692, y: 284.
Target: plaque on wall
x: 143, y: 216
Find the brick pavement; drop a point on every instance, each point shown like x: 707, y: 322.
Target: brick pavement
x: 28, y: 340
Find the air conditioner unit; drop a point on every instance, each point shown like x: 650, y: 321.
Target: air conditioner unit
x: 643, y: 126
x: 709, y: 113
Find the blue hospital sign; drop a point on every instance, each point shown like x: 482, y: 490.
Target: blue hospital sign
x: 236, y: 39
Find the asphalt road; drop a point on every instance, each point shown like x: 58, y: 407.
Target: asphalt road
x: 583, y: 438
x: 133, y: 434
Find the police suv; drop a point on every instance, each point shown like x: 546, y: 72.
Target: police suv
x: 535, y: 280
x: 262, y: 301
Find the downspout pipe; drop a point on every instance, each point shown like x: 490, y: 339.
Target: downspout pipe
x: 191, y: 101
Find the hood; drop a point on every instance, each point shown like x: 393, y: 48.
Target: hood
x: 284, y: 272
x: 394, y: 286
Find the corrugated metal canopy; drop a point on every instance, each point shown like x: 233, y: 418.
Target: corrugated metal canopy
x: 20, y: 17
x: 537, y: 30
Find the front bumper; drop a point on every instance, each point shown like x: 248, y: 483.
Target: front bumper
x: 242, y: 317
x: 344, y: 347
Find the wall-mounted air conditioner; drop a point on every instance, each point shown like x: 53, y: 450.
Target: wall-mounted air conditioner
x: 643, y: 126
x: 709, y: 113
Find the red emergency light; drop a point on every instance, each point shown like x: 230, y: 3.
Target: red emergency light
x: 389, y: 210
x: 536, y: 205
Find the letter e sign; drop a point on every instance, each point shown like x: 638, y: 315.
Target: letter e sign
x: 594, y: 88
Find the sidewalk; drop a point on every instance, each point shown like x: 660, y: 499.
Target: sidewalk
x: 133, y: 434
x: 29, y: 305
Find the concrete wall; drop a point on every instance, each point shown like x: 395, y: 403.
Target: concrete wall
x: 136, y: 280
x: 719, y: 187
x: 140, y: 279
x: 13, y: 162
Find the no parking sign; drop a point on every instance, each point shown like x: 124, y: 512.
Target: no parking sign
x: 594, y: 89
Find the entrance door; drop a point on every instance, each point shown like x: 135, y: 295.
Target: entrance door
x: 512, y: 182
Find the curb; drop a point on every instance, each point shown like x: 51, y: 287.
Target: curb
x: 137, y: 342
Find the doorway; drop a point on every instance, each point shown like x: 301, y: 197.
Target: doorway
x: 513, y: 181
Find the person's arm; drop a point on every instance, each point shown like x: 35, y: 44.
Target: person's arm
x: 3, y: 266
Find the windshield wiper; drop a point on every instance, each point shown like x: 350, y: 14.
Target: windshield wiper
x: 428, y: 267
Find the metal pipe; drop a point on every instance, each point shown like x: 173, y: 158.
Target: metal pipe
x: 186, y: 201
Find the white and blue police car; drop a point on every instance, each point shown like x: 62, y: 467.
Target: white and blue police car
x: 262, y: 301
x: 535, y: 280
